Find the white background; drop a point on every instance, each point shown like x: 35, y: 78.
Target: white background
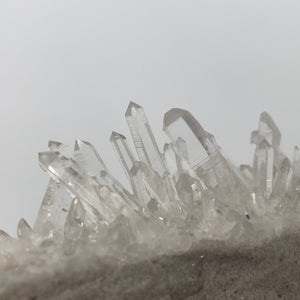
x: 69, y: 68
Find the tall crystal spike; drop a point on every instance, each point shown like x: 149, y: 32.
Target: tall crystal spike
x: 266, y: 156
x: 143, y: 138
x: 123, y: 152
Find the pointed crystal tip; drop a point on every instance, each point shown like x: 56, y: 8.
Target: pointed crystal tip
x: 53, y: 144
x: 80, y: 143
x: 3, y: 234
x: 46, y: 158
x: 115, y: 135
x: 23, y: 227
x: 130, y: 108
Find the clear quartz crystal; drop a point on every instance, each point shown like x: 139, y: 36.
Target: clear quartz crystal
x: 67, y: 172
x: 190, y: 191
x: 179, y: 123
x: 143, y: 138
x: 123, y: 151
x: 53, y: 210
x: 206, y: 159
x: 88, y: 159
x: 266, y: 154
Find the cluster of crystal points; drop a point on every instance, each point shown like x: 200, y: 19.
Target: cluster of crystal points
x: 189, y: 192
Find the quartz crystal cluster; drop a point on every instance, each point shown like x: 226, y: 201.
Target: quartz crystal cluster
x: 181, y: 194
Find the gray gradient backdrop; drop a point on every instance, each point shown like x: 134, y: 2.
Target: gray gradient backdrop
x: 69, y: 68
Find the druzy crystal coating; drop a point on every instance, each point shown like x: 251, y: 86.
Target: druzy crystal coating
x: 180, y: 194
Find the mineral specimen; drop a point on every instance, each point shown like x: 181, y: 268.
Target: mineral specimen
x: 188, y: 193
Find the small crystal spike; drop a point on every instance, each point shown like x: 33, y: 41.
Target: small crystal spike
x: 143, y: 138
x: 53, y: 210
x: 24, y: 230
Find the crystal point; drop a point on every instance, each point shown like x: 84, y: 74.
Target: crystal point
x: 46, y: 158
x: 132, y: 108
x: 24, y: 230
x: 62, y: 148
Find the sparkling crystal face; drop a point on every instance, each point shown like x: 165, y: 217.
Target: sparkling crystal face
x: 181, y: 194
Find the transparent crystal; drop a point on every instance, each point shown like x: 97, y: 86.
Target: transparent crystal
x: 191, y: 191
x: 143, y: 138
x: 123, y: 152
x: 53, y: 211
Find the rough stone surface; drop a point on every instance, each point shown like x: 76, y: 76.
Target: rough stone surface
x: 212, y: 270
